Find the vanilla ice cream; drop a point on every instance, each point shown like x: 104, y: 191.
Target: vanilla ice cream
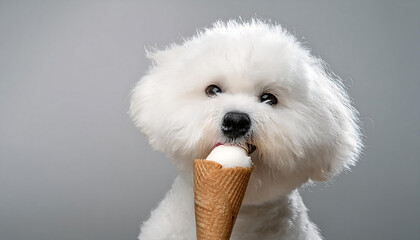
x: 230, y: 156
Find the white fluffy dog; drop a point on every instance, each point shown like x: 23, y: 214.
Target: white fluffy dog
x: 278, y: 99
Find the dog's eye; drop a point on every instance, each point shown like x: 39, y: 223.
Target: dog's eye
x: 213, y: 90
x: 268, y: 98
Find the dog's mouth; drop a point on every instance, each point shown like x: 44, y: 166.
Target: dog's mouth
x: 249, y: 147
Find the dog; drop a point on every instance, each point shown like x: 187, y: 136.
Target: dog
x: 300, y: 124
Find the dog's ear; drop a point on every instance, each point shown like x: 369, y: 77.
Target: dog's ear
x: 338, y: 144
x: 143, y: 107
x: 149, y: 96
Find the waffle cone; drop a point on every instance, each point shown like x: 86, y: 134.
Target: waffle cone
x: 218, y: 195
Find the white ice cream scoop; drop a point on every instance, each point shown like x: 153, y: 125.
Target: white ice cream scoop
x: 230, y: 156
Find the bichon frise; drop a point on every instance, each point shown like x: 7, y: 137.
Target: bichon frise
x: 294, y: 114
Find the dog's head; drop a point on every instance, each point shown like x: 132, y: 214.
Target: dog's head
x: 249, y: 84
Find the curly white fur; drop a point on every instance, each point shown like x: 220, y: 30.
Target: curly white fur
x: 311, y: 134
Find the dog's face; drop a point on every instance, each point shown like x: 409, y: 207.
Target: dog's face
x: 253, y: 85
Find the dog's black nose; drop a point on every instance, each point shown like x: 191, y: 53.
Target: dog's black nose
x: 235, y: 124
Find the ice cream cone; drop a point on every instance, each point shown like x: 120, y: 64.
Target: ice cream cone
x: 218, y: 195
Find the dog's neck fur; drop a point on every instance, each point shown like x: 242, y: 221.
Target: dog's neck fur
x: 284, y: 218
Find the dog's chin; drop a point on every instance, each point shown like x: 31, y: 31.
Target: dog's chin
x: 267, y: 184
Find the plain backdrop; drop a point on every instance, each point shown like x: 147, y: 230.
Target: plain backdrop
x: 73, y: 167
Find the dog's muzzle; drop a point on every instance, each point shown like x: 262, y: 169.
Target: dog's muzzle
x: 235, y: 124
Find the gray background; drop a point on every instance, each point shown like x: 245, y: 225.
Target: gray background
x: 72, y: 166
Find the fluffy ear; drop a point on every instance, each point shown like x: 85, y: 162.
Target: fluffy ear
x: 149, y: 97
x: 141, y: 112
x: 339, y: 143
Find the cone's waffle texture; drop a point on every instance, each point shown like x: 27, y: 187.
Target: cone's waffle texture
x: 218, y: 195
